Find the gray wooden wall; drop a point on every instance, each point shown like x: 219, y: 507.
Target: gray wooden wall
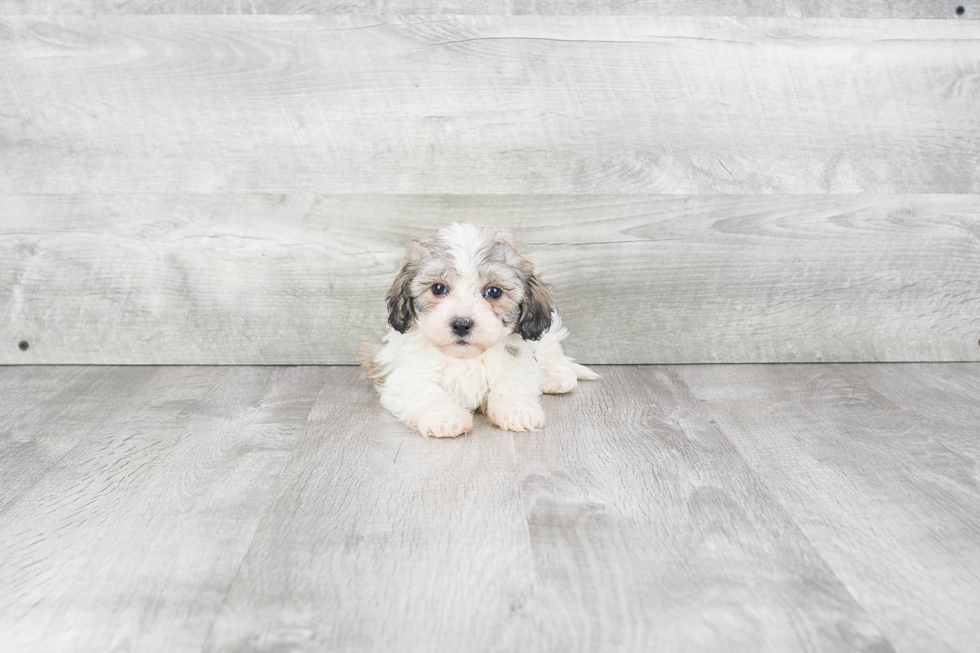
x: 233, y: 182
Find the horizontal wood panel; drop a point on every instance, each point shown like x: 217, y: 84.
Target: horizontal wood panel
x: 300, y: 278
x: 488, y: 104
x: 799, y: 8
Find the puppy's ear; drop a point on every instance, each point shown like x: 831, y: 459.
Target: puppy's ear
x: 505, y: 236
x: 401, y: 306
x: 536, y: 308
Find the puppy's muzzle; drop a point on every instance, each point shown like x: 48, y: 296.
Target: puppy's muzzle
x: 461, y: 326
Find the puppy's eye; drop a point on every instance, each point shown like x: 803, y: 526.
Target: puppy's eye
x: 439, y: 289
x: 493, y: 292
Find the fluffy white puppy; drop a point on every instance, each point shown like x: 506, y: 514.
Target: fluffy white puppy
x: 472, y: 327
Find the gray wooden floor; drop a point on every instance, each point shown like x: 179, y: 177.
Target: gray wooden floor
x: 679, y: 508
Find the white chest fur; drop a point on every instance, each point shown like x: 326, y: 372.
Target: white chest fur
x: 468, y: 380
x: 505, y: 368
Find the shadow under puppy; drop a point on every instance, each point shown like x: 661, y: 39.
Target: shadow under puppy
x: 472, y: 327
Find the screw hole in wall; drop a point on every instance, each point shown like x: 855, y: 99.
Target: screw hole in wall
x: 960, y: 10
x: 23, y: 344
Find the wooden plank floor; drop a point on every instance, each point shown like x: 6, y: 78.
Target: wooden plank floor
x: 664, y: 508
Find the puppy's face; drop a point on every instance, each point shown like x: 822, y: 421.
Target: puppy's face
x: 467, y: 288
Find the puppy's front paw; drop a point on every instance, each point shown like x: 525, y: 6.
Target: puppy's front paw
x: 516, y: 413
x: 445, y: 422
x: 558, y: 381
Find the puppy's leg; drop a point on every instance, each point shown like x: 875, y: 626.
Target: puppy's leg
x: 425, y: 406
x: 514, y: 401
x: 444, y: 421
x: 516, y: 412
x: 560, y: 373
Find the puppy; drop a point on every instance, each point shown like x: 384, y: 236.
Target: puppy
x: 472, y: 327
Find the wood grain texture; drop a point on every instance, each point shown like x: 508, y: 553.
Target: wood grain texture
x: 650, y: 533
x: 488, y: 104
x: 885, y: 487
x: 129, y: 541
x: 300, y: 279
x: 794, y: 9
x: 379, y: 539
x: 45, y: 412
x: 271, y: 509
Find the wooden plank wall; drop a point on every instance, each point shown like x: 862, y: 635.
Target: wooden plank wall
x: 233, y: 182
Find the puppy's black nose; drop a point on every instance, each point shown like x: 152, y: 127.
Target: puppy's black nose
x: 461, y: 325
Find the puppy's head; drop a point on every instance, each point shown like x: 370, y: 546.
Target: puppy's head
x: 467, y: 288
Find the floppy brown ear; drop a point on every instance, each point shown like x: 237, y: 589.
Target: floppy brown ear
x: 535, y: 317
x: 401, y: 306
